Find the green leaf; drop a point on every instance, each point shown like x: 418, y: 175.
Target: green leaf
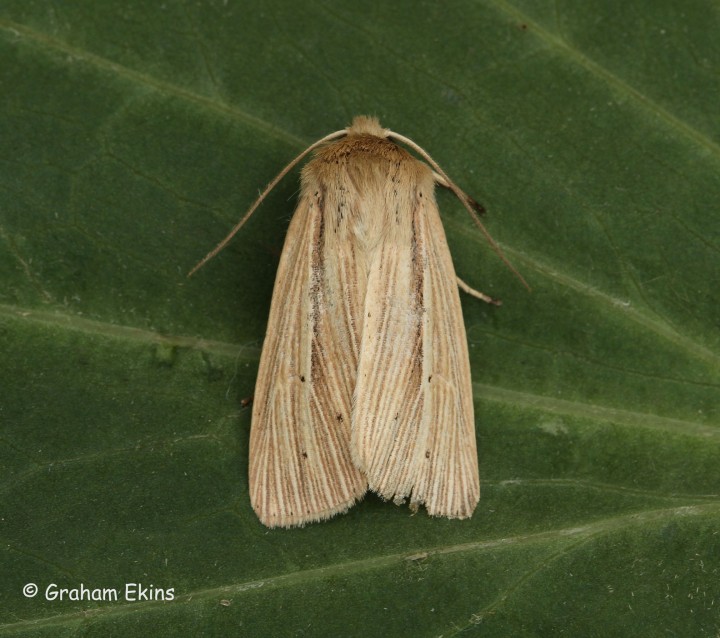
x: 133, y: 135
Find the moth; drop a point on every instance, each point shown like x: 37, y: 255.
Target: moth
x: 364, y: 378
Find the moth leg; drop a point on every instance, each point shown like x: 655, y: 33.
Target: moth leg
x: 467, y: 200
x: 476, y: 293
x: 440, y: 180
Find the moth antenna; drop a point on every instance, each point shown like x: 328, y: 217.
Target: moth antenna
x: 262, y: 196
x: 470, y: 204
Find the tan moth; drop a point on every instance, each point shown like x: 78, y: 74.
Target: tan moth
x: 364, y: 378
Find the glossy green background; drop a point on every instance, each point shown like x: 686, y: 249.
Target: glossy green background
x: 134, y: 134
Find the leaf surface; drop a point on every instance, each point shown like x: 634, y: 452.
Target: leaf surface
x: 133, y: 135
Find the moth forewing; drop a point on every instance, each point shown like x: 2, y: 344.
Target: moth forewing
x: 364, y: 377
x: 300, y: 465
x: 453, y: 485
x: 413, y: 425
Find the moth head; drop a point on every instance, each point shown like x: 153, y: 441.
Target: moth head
x: 366, y: 125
